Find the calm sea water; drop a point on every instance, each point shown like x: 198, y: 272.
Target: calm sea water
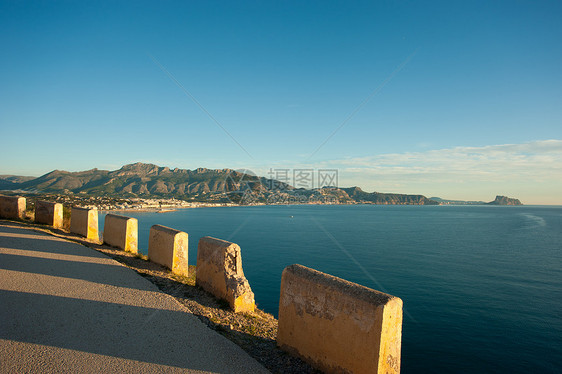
x: 481, y: 285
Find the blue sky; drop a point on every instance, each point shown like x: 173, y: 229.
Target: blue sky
x: 455, y: 99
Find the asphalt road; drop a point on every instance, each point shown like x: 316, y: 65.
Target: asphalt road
x: 66, y: 308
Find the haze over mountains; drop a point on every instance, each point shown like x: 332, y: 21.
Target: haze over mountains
x: 221, y: 185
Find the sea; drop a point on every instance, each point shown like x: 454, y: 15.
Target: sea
x: 481, y: 285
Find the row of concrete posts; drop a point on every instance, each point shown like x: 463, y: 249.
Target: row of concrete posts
x: 335, y: 325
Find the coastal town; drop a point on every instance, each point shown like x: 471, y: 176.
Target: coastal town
x: 107, y: 203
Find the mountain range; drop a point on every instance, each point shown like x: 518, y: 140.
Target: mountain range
x: 211, y: 185
x: 149, y: 180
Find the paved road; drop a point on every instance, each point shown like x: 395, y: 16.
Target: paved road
x: 68, y: 308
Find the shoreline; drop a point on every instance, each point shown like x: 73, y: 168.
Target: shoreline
x: 162, y: 210
x: 175, y: 209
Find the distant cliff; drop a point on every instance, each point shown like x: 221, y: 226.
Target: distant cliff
x: 222, y: 185
x: 504, y: 200
x: 357, y: 194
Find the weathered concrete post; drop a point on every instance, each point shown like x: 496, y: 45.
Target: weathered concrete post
x: 169, y: 247
x: 121, y: 232
x: 12, y: 207
x: 84, y: 221
x: 338, y: 326
x: 48, y: 213
x: 219, y: 271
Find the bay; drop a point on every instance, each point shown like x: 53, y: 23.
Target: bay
x: 481, y: 285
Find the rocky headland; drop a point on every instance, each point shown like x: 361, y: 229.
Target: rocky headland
x: 504, y: 200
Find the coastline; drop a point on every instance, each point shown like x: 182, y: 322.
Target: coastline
x: 204, y: 205
x: 176, y: 208
x: 161, y: 210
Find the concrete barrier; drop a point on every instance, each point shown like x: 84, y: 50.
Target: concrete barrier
x: 48, y: 213
x: 12, y: 207
x: 121, y: 232
x: 84, y: 221
x: 219, y: 271
x: 338, y: 326
x: 169, y: 247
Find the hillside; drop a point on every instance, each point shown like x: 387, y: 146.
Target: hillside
x: 149, y: 180
x: 359, y: 195
x: 10, y: 182
x: 139, y: 179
